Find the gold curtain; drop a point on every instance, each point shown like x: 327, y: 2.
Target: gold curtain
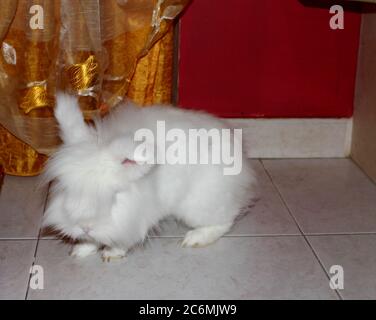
x: 100, y: 50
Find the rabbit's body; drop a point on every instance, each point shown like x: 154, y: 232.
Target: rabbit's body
x: 103, y: 201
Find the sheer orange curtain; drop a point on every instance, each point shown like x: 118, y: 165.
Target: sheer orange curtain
x: 100, y: 50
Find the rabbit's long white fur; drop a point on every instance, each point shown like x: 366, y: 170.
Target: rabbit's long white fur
x: 101, y: 201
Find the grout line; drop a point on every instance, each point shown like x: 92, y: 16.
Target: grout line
x: 19, y: 239
x: 300, y: 229
x: 240, y: 236
x: 282, y: 199
x: 261, y: 235
x: 365, y: 233
x: 226, y: 236
x: 37, y: 244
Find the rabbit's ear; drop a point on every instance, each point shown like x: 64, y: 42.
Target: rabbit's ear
x: 71, y: 121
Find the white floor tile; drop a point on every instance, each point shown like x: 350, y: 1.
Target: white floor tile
x: 16, y: 257
x: 326, y: 195
x: 356, y: 254
x: 21, y: 207
x: 233, y: 268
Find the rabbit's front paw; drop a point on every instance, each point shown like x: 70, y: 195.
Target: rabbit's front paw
x: 83, y: 250
x: 112, y: 253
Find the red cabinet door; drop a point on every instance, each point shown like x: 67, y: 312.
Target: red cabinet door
x: 269, y: 58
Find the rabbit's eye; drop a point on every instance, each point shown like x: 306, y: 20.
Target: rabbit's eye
x: 127, y: 161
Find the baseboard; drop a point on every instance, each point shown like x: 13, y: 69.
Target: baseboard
x: 296, y: 138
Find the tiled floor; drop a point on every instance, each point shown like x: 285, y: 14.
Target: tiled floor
x: 308, y: 216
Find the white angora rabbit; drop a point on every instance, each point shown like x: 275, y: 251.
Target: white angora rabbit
x: 107, y: 194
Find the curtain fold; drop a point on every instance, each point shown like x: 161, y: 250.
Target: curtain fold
x: 99, y: 50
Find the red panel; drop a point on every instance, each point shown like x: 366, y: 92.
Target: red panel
x: 269, y: 58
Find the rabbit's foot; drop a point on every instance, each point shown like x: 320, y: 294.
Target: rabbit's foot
x: 204, y: 236
x: 112, y: 253
x: 82, y: 250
